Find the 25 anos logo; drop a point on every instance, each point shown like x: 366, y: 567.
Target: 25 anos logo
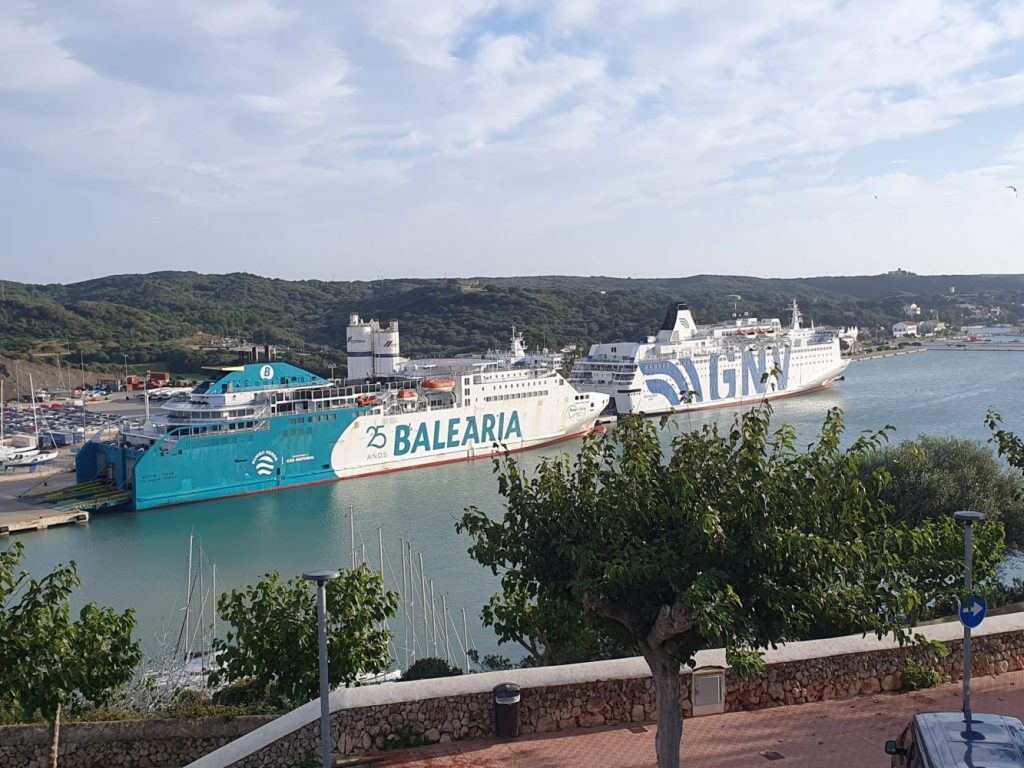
x: 378, y: 439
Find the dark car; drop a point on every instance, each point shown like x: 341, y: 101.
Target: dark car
x: 945, y: 740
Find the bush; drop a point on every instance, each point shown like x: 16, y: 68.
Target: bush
x: 430, y: 667
x: 917, y: 676
x: 246, y: 692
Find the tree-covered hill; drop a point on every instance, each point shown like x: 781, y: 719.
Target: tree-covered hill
x: 159, y: 316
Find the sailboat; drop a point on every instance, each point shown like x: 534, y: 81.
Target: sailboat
x: 21, y: 450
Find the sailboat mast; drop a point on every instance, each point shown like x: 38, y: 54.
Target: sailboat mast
x: 352, y: 533
x: 35, y: 415
x: 188, y: 600
x: 423, y: 604
x: 405, y: 605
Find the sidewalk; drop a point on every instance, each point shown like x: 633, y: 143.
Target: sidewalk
x: 849, y: 733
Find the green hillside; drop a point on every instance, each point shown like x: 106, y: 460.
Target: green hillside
x: 162, y: 316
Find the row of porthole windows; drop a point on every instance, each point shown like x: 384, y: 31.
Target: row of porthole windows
x: 516, y: 396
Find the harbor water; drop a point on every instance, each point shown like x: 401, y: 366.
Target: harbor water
x: 140, y: 559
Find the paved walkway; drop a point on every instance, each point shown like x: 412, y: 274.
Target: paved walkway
x: 849, y: 733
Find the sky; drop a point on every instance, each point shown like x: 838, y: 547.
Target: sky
x: 655, y: 138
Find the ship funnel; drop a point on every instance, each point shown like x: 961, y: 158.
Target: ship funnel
x: 679, y: 323
x: 372, y: 350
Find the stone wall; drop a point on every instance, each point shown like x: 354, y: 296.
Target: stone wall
x: 134, y: 743
x: 467, y: 716
x: 606, y: 693
x: 457, y: 708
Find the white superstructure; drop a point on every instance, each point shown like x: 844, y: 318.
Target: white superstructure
x: 688, y: 367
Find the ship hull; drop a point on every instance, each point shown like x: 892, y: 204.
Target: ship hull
x: 721, y: 380
x: 301, y: 450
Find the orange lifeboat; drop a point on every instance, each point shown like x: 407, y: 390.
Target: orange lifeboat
x: 367, y: 400
x: 439, y: 385
x: 408, y: 395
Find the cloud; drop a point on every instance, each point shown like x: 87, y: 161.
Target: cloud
x: 234, y: 18
x: 575, y: 130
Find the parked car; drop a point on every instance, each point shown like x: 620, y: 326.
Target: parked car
x: 946, y: 740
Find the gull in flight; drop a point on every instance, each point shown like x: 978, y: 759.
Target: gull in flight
x: 1009, y: 186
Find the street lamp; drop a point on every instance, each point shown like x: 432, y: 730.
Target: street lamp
x: 969, y: 518
x: 125, y: 356
x: 321, y: 577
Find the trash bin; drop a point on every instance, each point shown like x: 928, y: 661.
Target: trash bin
x: 506, y: 710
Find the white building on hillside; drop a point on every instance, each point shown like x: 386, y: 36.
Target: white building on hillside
x: 901, y: 329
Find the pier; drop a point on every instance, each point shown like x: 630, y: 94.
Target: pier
x: 18, y: 513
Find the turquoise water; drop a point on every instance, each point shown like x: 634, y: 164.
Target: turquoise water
x: 140, y: 559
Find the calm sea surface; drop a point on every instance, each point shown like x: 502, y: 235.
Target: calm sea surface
x: 140, y: 559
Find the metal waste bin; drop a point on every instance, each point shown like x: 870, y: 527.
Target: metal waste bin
x: 506, y: 710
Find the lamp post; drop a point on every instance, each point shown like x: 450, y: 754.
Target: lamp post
x: 321, y: 577
x: 969, y: 518
x: 125, y: 356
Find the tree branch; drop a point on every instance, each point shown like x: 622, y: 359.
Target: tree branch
x: 673, y: 621
x: 618, y: 612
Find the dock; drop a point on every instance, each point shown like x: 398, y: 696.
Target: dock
x: 19, y: 514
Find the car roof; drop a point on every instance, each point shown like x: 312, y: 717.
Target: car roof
x: 992, y: 741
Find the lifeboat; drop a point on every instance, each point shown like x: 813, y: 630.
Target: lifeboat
x: 367, y: 400
x: 439, y: 385
x: 408, y: 395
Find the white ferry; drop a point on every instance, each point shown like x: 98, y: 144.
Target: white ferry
x: 690, y: 367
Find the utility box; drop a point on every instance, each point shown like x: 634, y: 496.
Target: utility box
x: 707, y: 692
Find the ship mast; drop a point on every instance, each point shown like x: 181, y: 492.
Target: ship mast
x: 796, y: 316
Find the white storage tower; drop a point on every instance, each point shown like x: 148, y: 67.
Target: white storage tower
x: 372, y: 350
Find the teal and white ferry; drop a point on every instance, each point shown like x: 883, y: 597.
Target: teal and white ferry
x: 269, y: 426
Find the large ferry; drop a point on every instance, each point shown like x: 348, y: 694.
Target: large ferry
x: 690, y: 367
x: 268, y: 426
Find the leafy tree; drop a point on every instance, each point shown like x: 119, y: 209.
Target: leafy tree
x: 49, y: 662
x: 273, y: 641
x: 545, y: 630
x: 1009, y: 445
x: 932, y: 477
x: 735, y: 538
x: 430, y: 667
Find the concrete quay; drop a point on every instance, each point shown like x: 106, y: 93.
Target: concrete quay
x: 17, y: 514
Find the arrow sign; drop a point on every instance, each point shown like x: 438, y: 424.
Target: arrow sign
x: 972, y: 611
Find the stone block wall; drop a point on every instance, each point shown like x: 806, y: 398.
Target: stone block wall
x: 838, y: 677
x: 470, y: 716
x: 127, y: 743
x: 457, y: 708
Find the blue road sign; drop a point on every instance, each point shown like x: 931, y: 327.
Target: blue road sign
x: 972, y: 611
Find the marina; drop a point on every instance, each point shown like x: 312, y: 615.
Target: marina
x: 138, y: 559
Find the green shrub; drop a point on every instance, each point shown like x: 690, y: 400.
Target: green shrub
x: 917, y: 676
x: 430, y: 667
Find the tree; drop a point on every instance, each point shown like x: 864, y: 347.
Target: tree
x: 430, y: 667
x: 932, y: 477
x: 733, y: 539
x: 273, y: 641
x: 1010, y: 446
x: 49, y: 662
x: 545, y: 630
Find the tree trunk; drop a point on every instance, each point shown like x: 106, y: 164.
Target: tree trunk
x: 665, y: 672
x: 54, y: 737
